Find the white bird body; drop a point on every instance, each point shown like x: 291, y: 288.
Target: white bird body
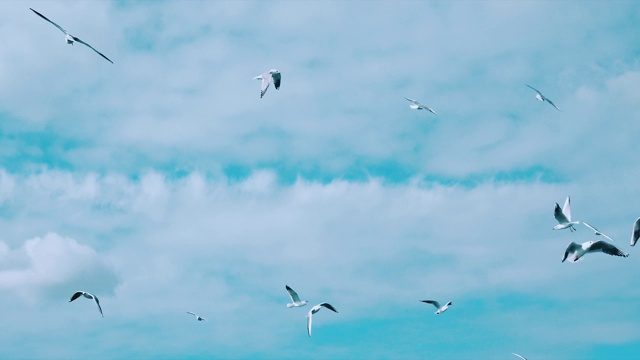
x: 295, y: 299
x: 266, y: 78
x: 70, y: 39
x: 417, y: 106
x: 198, y: 317
x: 542, y: 98
x: 596, y: 231
x: 563, y: 216
x: 87, y: 295
x: 577, y: 251
x: 441, y: 309
x: 314, y: 310
x: 635, y: 233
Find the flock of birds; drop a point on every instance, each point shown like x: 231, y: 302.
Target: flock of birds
x: 574, y: 252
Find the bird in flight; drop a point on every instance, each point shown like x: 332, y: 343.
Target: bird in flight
x: 543, y: 98
x: 417, y: 106
x: 596, y: 231
x: 635, y: 234
x: 563, y: 216
x: 441, y: 309
x: 198, y: 317
x: 577, y: 251
x: 266, y: 80
x: 70, y: 38
x: 314, y: 310
x: 295, y: 299
x: 87, y: 295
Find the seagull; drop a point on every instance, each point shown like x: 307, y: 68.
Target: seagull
x: 542, y: 98
x: 198, y: 317
x: 295, y: 299
x: 88, y: 296
x: 577, y: 251
x: 70, y: 38
x: 636, y: 232
x: 564, y: 216
x: 314, y: 310
x: 266, y: 80
x: 596, y: 231
x: 520, y: 356
x: 417, y: 106
x: 441, y: 309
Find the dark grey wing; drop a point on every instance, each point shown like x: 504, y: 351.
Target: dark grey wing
x: 54, y: 24
x: 328, y: 306
x: 534, y: 89
x: 636, y: 232
x: 559, y: 215
x: 573, y: 247
x: 294, y: 296
x: 607, y: 248
x: 432, y: 302
x: 551, y: 102
x: 98, y: 303
x: 276, y: 80
x: 76, y: 295
x: 91, y: 47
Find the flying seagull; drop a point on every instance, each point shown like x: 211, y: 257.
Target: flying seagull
x: 417, y: 106
x: 441, y: 309
x: 198, y: 317
x: 77, y: 294
x: 314, y: 310
x: 596, y: 231
x: 636, y: 232
x: 70, y: 38
x: 564, y: 216
x: 577, y: 251
x: 520, y: 356
x: 295, y: 299
x: 542, y: 98
x: 266, y: 80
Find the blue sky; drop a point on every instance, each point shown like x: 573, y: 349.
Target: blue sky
x: 164, y: 184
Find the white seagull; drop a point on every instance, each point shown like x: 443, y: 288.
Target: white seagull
x: 198, y: 317
x: 295, y: 299
x: 520, y: 356
x: 70, y: 38
x: 564, y: 216
x: 266, y: 80
x: 542, y: 98
x: 635, y: 234
x: 314, y: 310
x: 417, y: 106
x: 441, y: 309
x: 596, y: 231
x: 77, y: 294
x: 577, y: 251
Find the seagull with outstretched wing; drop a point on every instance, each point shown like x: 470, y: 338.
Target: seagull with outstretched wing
x: 266, y: 78
x: 87, y: 295
x: 440, y: 308
x: 314, y: 310
x: 563, y: 216
x: 295, y: 299
x: 417, y: 106
x: 596, y: 231
x: 198, y: 317
x: 543, y: 98
x: 577, y: 251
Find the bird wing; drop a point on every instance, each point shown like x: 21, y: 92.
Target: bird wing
x: 189, y: 312
x: 266, y: 80
x: 309, y: 322
x: 75, y: 295
x: 54, y: 24
x: 413, y: 101
x: 557, y: 213
x: 294, y: 296
x: 98, y: 303
x: 606, y: 248
x: 91, y: 47
x: 328, y: 306
x: 597, y: 232
x: 429, y: 109
x: 520, y: 356
x: 566, y: 209
x: 534, y: 89
x: 432, y: 302
x: 573, y: 247
x: 276, y: 80
x: 551, y: 102
x: 636, y: 232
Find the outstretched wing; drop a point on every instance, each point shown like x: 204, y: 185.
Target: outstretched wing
x: 266, y: 80
x: 596, y: 231
x: 607, y: 248
x: 534, y: 89
x: 559, y: 215
x: 91, y: 47
x: 636, y: 232
x: 573, y: 247
x: 294, y: 296
x: 98, y: 303
x: 520, y: 356
x: 54, y: 24
x: 551, y: 102
x: 566, y: 209
x: 432, y: 302
x: 328, y: 306
x: 189, y: 312
x: 276, y: 80
x: 309, y: 322
x: 413, y: 101
x: 75, y: 295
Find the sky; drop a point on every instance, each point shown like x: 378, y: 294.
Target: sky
x: 163, y: 183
